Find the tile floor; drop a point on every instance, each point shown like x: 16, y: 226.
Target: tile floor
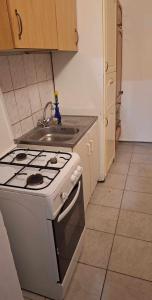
x: 116, y: 261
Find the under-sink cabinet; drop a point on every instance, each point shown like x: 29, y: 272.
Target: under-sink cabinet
x: 88, y: 150
x: 37, y: 24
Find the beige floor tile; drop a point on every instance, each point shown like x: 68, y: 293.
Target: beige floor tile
x: 143, y: 148
x: 140, y: 202
x: 132, y: 257
x: 96, y: 250
x: 139, y: 184
x: 30, y: 296
x: 86, y: 284
x: 141, y: 158
x: 141, y: 170
x: 115, y: 181
x: 124, y: 157
x: 125, y: 147
x: 107, y: 196
x: 101, y: 218
x: 135, y: 225
x: 119, y: 168
x: 121, y: 287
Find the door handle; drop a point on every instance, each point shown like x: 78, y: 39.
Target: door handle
x: 91, y: 146
x: 68, y: 209
x: 111, y: 81
x: 20, y: 25
x: 77, y: 39
x: 106, y: 67
x: 107, y: 122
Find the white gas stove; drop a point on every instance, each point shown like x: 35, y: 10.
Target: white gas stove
x: 46, y: 173
x: 41, y: 199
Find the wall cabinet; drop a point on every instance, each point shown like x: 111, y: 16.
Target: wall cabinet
x: 88, y: 149
x: 66, y: 24
x: 37, y: 24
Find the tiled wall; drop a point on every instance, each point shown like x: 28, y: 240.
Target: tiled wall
x: 26, y: 83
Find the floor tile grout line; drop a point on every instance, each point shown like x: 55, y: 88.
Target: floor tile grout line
x: 131, y: 276
x: 115, y: 231
x: 97, y: 230
x: 125, y: 209
x: 133, y: 238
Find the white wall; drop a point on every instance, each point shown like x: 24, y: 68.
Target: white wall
x: 137, y: 71
x: 79, y: 77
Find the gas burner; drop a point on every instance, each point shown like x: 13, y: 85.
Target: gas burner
x: 35, y: 179
x: 21, y: 156
x: 53, y: 160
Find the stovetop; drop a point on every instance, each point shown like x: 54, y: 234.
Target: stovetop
x: 31, y: 169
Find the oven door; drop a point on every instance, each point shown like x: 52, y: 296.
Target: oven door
x: 68, y: 227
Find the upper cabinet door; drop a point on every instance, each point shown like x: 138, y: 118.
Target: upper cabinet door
x: 33, y: 23
x: 67, y: 25
x: 6, y: 41
x: 110, y: 34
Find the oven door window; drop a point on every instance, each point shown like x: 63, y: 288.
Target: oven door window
x: 68, y: 227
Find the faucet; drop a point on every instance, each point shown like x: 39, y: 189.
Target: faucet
x: 45, y: 121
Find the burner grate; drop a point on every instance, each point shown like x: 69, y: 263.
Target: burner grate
x: 40, y: 153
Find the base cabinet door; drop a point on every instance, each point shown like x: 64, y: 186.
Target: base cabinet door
x: 88, y: 150
x: 94, y: 155
x: 83, y: 149
x: 109, y: 138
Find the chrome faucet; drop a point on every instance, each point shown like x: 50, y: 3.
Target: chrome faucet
x: 46, y: 121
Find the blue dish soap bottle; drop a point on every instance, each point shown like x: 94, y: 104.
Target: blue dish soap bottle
x: 57, y: 114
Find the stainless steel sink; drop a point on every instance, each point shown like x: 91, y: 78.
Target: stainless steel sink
x: 48, y: 135
x: 66, y: 135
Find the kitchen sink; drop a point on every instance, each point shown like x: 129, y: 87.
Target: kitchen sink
x: 49, y: 135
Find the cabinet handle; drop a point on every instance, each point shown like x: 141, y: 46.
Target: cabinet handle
x: 110, y: 82
x: 20, y: 25
x: 77, y: 39
x: 106, y: 67
x: 107, y: 122
x: 91, y: 145
x: 89, y: 148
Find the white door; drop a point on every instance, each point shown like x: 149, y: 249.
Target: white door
x: 110, y: 34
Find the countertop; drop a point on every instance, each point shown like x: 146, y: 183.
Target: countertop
x: 83, y: 123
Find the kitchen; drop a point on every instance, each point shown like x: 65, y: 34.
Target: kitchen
x: 58, y: 58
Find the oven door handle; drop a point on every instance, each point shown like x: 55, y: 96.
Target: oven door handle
x: 67, y: 210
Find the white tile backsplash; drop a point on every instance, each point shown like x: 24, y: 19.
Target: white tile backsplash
x: 46, y: 91
x: 41, y: 66
x: 37, y: 116
x: 29, y: 65
x: 11, y: 107
x: 17, y: 70
x: 34, y: 98
x: 26, y: 81
x: 27, y: 125
x: 23, y: 103
x: 17, y: 130
x: 5, y: 75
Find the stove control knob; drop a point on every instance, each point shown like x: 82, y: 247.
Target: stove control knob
x: 73, y: 178
x: 79, y: 169
x: 63, y: 196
